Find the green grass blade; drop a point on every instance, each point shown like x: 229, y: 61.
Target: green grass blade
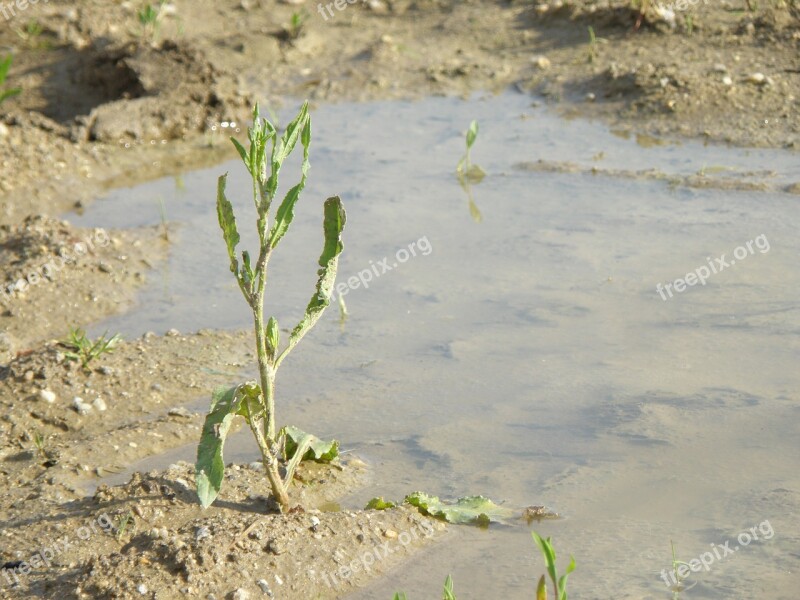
x: 5, y: 65
x: 562, y: 582
x: 448, y: 593
x: 10, y: 93
x: 549, y: 554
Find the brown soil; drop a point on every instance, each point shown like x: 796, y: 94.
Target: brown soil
x: 105, y: 106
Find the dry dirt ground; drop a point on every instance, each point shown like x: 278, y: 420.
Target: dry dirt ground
x: 106, y: 103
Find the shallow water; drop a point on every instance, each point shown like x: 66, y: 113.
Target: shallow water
x: 528, y: 356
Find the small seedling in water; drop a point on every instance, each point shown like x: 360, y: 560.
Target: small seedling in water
x: 559, y: 583
x: 465, y: 170
x: 5, y: 65
x: 447, y: 593
x: 678, y: 587
x: 84, y: 350
x: 256, y: 401
x: 163, y: 210
x: 468, y: 173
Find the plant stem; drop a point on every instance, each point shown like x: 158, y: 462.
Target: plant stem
x: 266, y: 371
x: 270, y: 466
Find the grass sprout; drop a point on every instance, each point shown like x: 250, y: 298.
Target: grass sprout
x: 84, y: 350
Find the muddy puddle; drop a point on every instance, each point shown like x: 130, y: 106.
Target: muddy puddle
x: 518, y: 346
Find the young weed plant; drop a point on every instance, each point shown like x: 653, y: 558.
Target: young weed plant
x: 468, y: 173
x: 447, y: 592
x: 149, y: 18
x: 84, y: 350
x: 559, y: 583
x: 255, y: 401
x: 5, y: 94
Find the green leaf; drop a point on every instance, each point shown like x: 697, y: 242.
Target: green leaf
x: 546, y: 547
x: 400, y: 596
x: 247, y: 270
x: 273, y: 336
x: 541, y: 589
x: 285, y: 214
x: 210, y: 467
x: 285, y: 146
x: 309, y: 446
x: 379, y: 504
x: 305, y: 446
x: 472, y: 133
x: 475, y: 510
x: 333, y: 225
x: 448, y: 593
x: 242, y: 152
x: 227, y: 222
x: 562, y: 582
x: 5, y: 65
x: 9, y: 93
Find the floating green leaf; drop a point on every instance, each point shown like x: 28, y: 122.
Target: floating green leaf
x: 379, y: 504
x: 475, y: 510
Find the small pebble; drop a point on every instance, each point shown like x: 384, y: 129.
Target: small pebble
x: 757, y: 78
x: 202, y: 533
x: 314, y: 523
x: 173, y: 333
x: 141, y: 588
x: 81, y: 406
x: 262, y: 583
x: 240, y: 594
x: 541, y: 62
x: 47, y: 396
x: 390, y: 534
x: 100, y: 404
